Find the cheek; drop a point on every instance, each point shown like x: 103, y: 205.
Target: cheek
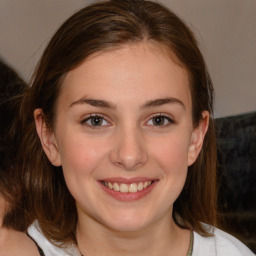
x: 172, y: 153
x: 81, y: 155
x: 80, y: 158
x: 171, y: 157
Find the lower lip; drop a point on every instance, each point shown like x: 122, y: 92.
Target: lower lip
x: 128, y: 196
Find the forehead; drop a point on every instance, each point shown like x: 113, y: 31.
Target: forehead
x: 144, y: 68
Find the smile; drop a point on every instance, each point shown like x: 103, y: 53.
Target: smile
x: 128, y: 188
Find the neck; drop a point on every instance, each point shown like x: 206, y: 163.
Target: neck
x: 160, y: 238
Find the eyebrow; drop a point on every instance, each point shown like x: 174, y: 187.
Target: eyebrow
x: 110, y: 105
x: 95, y: 103
x: 160, y: 102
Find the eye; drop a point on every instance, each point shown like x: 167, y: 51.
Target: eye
x: 160, y: 120
x: 95, y: 121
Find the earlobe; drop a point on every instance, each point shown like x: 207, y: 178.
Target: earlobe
x: 197, y: 138
x: 47, y: 138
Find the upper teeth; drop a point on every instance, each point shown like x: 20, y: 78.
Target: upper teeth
x: 124, y: 188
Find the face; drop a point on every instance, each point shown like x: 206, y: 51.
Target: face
x: 124, y: 136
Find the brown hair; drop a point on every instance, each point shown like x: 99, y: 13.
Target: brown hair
x: 11, y: 187
x: 101, y: 27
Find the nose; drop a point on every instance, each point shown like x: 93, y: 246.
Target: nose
x: 129, y: 149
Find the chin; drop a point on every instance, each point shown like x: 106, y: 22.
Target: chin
x: 125, y: 226
x: 127, y: 222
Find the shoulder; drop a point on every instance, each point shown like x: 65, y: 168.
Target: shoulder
x: 11, y: 242
x: 48, y: 248
x: 220, y: 244
x: 227, y: 244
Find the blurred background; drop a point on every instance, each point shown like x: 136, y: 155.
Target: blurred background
x: 225, y: 29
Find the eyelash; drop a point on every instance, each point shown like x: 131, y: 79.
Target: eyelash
x: 103, y: 119
x: 162, y: 116
x: 90, y: 118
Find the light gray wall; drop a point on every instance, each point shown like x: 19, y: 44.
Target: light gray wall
x: 226, y: 30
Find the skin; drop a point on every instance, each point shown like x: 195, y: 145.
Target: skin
x: 138, y: 82
x: 12, y: 242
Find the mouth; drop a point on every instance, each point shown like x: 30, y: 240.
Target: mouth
x: 128, y: 187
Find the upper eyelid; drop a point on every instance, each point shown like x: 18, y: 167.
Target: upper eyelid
x: 84, y: 117
x: 168, y: 117
x: 161, y: 115
x: 88, y: 116
x: 109, y: 120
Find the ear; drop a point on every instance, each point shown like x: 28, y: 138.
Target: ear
x: 197, y: 138
x: 47, y: 138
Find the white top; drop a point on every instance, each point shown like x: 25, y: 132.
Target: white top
x: 48, y: 248
x: 221, y: 244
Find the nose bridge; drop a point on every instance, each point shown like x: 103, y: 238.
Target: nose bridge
x: 129, y: 151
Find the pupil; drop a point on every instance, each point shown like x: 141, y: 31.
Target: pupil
x: 96, y: 121
x: 158, y: 121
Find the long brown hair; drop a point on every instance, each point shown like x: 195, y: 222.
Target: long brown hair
x: 11, y: 188
x: 97, y: 28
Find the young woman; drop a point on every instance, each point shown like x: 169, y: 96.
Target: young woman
x: 13, y: 218
x: 119, y: 154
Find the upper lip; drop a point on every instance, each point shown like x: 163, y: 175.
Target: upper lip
x: 128, y: 180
